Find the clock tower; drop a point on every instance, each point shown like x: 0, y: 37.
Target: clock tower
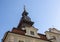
x: 24, y: 32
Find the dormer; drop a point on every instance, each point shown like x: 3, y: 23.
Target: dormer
x: 31, y: 31
x: 54, y: 30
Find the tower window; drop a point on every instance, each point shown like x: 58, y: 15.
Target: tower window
x: 31, y: 32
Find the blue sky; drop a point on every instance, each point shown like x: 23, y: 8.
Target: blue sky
x: 44, y: 13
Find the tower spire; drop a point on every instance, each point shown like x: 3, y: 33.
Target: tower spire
x: 24, y: 12
x: 25, y: 20
x: 24, y: 8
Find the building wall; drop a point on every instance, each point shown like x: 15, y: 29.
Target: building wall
x: 51, y: 35
x: 11, y: 37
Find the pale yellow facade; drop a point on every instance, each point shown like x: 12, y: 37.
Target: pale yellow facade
x: 16, y: 38
x: 52, y: 36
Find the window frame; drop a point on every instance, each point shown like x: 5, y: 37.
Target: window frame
x: 32, y: 32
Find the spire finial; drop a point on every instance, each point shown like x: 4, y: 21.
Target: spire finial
x: 24, y: 8
x: 24, y: 12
